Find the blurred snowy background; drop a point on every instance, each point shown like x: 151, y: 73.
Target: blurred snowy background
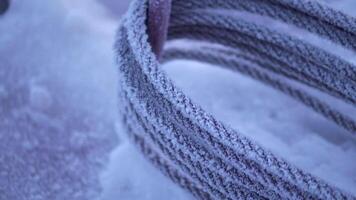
x: 59, y: 133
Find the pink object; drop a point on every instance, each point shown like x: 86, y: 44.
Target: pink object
x: 158, y: 22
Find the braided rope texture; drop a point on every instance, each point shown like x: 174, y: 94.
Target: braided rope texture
x: 201, y: 154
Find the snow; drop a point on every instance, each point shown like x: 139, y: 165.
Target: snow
x: 57, y: 96
x: 130, y: 176
x: 59, y: 133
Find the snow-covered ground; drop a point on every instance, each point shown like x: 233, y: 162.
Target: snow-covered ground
x: 59, y: 134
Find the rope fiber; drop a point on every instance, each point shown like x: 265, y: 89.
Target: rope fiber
x: 198, y: 152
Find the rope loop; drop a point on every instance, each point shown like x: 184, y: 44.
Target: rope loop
x: 197, y: 151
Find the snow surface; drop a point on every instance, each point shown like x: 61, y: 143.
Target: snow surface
x: 58, y: 116
x: 57, y: 97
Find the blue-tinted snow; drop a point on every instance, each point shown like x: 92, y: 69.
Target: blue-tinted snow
x: 58, y: 120
x: 56, y: 124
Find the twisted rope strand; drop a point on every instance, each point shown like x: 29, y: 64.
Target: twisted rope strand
x: 153, y: 115
x: 299, y: 57
x: 232, y: 60
x: 281, y: 12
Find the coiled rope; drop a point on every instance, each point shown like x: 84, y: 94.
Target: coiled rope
x: 198, y: 152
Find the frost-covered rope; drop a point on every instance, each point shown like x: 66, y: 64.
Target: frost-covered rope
x: 234, y: 60
x: 309, y: 64
x: 321, y: 20
x: 198, y: 152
